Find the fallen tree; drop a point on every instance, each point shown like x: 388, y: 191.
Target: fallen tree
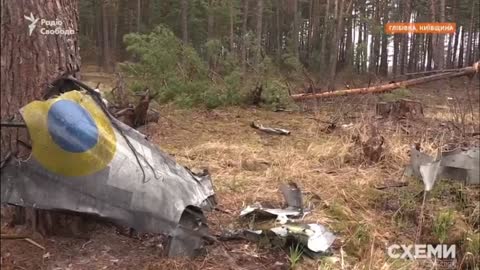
x: 391, y: 86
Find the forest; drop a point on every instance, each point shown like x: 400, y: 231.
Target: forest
x: 272, y: 40
x: 239, y: 134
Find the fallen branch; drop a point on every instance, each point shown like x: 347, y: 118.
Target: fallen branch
x: 19, y: 237
x: 391, y: 86
x: 431, y: 71
x: 277, y: 131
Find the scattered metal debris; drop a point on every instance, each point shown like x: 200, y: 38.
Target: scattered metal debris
x: 84, y: 160
x: 293, y: 197
x: 460, y: 165
x: 314, y: 238
x: 277, y: 131
x: 318, y: 238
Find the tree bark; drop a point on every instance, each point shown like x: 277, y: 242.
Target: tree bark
x: 258, y: 40
x: 210, y: 19
x: 184, y: 20
x: 471, y: 35
x: 232, y: 22
x: 244, y: 35
x: 337, y: 34
x: 139, y: 15
x: 460, y: 53
x: 455, y: 48
x: 32, y: 62
x: 323, y: 45
x: 384, y: 57
x: 106, y: 50
x: 295, y: 31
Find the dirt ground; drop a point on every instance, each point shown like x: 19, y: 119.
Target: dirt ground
x: 328, y: 164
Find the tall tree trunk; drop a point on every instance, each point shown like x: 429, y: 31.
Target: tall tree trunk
x: 413, y: 49
x: 449, y: 51
x: 99, y: 36
x: 278, y: 30
x: 210, y: 19
x: 438, y: 39
x: 455, y: 48
x: 184, y: 20
x: 106, y: 50
x: 396, y: 48
x: 404, y: 44
x: 139, y: 15
x: 244, y: 35
x: 384, y: 59
x: 323, y: 50
x: 31, y: 63
x: 471, y: 35
x: 232, y: 23
x: 295, y: 31
x: 460, y: 53
x: 311, y: 27
x: 337, y: 34
x: 258, y: 47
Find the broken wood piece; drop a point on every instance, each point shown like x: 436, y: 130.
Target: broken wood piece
x: 391, y: 86
x: 34, y: 243
x: 20, y: 237
x: 277, y: 131
x: 392, y: 185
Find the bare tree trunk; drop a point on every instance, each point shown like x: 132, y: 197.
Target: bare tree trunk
x: 468, y: 71
x: 396, y: 46
x: 32, y: 62
x: 99, y: 36
x: 232, y: 22
x: 295, y: 31
x: 438, y: 39
x: 258, y: 40
x: 468, y: 55
x: 460, y: 53
x: 449, y: 51
x: 324, y: 59
x: 337, y: 34
x: 210, y: 20
x: 406, y: 12
x: 455, y: 48
x: 384, y: 58
x: 278, y: 30
x: 107, y: 56
x: 139, y: 14
x: 349, y: 41
x: 244, y: 35
x: 184, y: 20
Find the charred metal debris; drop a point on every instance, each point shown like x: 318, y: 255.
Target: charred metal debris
x: 84, y: 160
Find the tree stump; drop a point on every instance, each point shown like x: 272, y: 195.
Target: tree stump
x: 403, y: 108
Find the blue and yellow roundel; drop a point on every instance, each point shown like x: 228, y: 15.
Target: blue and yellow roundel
x: 71, y: 135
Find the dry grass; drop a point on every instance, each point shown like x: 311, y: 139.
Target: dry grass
x: 248, y: 166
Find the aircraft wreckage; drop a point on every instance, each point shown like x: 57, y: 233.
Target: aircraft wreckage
x: 85, y: 160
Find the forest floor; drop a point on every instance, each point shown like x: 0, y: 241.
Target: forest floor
x: 327, y: 164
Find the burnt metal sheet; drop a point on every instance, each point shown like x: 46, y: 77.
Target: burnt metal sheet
x: 461, y: 165
x: 84, y: 161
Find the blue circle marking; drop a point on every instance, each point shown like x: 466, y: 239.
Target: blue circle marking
x: 72, y: 127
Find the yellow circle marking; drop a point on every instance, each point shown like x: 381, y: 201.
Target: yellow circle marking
x: 52, y: 156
